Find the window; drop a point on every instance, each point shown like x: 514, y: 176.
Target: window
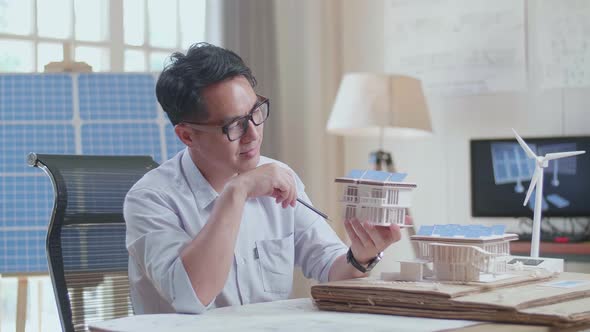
x: 110, y: 35
x: 377, y: 193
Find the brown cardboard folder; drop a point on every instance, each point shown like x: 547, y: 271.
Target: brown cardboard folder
x: 531, y: 298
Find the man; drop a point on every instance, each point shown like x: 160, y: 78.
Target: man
x: 218, y: 224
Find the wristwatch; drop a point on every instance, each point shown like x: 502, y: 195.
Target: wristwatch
x: 352, y: 261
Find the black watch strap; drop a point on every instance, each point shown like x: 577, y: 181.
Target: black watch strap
x: 352, y: 261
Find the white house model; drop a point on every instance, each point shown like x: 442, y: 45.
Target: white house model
x: 379, y: 197
x: 459, y: 252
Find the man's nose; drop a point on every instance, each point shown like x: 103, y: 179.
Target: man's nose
x: 251, y: 132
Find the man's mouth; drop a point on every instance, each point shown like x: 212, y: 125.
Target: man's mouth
x: 250, y: 152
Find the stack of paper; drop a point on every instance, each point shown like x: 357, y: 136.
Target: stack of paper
x: 531, y: 298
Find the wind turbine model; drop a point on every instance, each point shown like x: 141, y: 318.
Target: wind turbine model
x: 537, y: 180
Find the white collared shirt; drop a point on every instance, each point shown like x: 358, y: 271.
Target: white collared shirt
x: 167, y: 208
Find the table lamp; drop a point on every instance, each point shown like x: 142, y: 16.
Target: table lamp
x: 381, y: 105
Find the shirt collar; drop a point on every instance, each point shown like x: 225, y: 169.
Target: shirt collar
x: 202, y: 190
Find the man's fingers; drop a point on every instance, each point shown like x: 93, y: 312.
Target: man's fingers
x: 362, y: 233
x: 285, y: 191
x: 395, y: 232
x: 290, y: 182
x: 294, y: 194
x: 291, y: 195
x: 282, y: 183
x: 351, y: 233
x: 378, y: 238
x: 388, y: 235
x: 409, y: 220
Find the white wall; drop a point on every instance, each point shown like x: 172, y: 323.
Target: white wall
x: 440, y: 164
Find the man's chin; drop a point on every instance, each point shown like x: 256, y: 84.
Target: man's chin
x: 249, y: 164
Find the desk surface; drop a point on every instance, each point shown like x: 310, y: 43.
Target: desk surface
x: 575, y: 251
x: 288, y: 315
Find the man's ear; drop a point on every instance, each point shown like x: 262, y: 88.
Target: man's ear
x: 184, y: 134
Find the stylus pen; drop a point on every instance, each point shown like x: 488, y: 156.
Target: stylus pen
x: 325, y: 216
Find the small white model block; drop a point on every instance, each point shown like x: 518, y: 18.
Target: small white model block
x: 412, y: 270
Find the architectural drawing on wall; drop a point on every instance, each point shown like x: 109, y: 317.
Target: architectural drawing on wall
x: 457, y: 47
x: 379, y: 197
x: 511, y: 165
x: 563, y: 42
x: 459, y: 252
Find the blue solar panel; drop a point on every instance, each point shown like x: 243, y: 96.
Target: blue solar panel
x: 426, y: 230
x: 443, y: 230
x: 122, y: 139
x: 498, y: 229
x: 17, y: 140
x: 25, y: 201
x: 117, y: 97
x: 380, y: 176
x: 36, y: 97
x: 38, y: 113
x: 456, y: 230
x: 355, y: 174
x: 23, y: 250
x: 173, y: 143
x: 376, y: 175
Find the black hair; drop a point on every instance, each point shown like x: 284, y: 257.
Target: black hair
x: 182, y: 81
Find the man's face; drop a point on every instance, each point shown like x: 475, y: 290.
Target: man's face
x: 213, y: 153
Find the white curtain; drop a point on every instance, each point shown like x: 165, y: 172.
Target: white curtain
x: 293, y: 48
x: 247, y: 27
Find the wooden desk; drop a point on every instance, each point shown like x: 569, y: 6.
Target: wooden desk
x: 299, y: 315
x: 288, y: 315
x: 579, y: 251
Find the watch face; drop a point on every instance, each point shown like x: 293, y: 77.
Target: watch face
x: 374, y: 261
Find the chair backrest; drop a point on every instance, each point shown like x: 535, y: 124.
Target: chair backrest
x: 86, y: 250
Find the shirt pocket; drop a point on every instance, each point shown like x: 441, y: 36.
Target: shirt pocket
x: 275, y: 261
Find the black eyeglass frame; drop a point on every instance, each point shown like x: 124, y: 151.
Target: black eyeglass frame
x: 225, y: 128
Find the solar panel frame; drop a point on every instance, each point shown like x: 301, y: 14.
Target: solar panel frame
x: 100, y: 114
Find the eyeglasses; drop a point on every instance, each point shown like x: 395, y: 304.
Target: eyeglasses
x: 239, y: 126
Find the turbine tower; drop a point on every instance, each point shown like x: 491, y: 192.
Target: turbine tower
x: 537, y: 180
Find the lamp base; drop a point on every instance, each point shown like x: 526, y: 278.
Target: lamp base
x: 381, y: 160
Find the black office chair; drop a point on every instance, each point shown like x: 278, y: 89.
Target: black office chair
x: 86, y: 250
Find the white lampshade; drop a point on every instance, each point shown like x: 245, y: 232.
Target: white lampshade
x: 374, y: 104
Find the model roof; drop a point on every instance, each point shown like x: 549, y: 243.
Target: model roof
x: 463, y: 233
x: 375, y: 178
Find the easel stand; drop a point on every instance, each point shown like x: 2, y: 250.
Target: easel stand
x: 21, y: 303
x: 22, y: 298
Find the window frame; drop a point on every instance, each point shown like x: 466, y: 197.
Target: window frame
x: 115, y: 41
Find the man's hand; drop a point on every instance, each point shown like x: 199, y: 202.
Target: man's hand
x: 268, y: 180
x: 368, y: 240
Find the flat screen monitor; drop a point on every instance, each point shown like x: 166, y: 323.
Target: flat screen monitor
x: 501, y: 174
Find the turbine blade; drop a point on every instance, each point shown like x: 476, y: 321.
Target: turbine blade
x: 524, y: 146
x: 557, y: 155
x: 532, y: 185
